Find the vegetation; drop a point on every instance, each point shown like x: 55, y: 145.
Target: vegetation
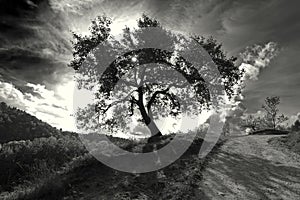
x: 42, y: 162
x: 252, y: 122
x: 16, y: 124
x: 292, y: 140
x: 34, y: 168
x: 31, y: 149
x: 296, y: 126
x: 272, y: 117
x: 180, y: 180
x: 26, y: 160
x: 270, y: 120
x: 59, y: 166
x: 146, y: 91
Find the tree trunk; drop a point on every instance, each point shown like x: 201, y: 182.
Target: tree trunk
x: 155, y: 132
x: 274, y: 123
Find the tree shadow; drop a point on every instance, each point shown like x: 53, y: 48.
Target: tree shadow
x: 259, y: 177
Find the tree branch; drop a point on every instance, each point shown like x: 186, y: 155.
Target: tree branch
x: 116, y: 102
x: 155, y: 94
x: 132, y: 102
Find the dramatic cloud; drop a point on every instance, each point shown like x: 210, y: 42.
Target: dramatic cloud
x: 34, y: 45
x: 256, y: 58
x: 47, y: 106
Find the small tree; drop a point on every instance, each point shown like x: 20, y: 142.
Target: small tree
x: 272, y: 117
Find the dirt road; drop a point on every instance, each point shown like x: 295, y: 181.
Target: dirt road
x: 250, y: 168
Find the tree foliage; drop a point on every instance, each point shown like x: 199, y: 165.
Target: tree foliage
x: 272, y: 116
x: 252, y: 122
x: 270, y: 120
x: 147, y: 83
x: 296, y: 126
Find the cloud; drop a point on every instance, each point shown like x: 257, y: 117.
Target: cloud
x: 11, y: 95
x: 257, y: 57
x: 251, y: 72
x: 47, y: 107
x: 34, y: 43
x: 293, y: 119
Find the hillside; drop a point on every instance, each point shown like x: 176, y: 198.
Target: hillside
x: 31, y: 150
x: 290, y: 141
x: 42, y: 163
x: 16, y: 124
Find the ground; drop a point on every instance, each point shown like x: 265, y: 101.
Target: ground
x: 240, y: 167
x: 179, y: 180
x: 248, y: 167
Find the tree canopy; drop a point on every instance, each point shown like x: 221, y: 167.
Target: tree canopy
x: 147, y: 82
x: 272, y: 117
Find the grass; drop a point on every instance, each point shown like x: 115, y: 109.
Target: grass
x: 83, y: 176
x: 290, y: 141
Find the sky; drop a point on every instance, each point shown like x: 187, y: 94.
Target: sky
x: 35, y: 47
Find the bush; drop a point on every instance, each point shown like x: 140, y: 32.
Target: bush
x: 25, y: 160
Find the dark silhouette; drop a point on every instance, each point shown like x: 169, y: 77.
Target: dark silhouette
x: 152, y: 90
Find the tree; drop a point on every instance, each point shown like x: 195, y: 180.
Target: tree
x: 252, y: 122
x: 296, y: 126
x: 138, y: 83
x: 272, y: 117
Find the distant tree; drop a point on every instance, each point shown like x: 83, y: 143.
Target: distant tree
x: 296, y: 126
x: 272, y: 117
x: 142, y: 94
x: 252, y: 122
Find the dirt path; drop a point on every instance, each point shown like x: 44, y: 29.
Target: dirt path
x: 250, y: 168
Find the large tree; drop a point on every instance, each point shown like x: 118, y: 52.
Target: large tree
x: 145, y: 82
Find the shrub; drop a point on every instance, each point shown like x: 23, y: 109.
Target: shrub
x: 24, y: 160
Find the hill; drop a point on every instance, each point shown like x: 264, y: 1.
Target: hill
x: 43, y: 163
x: 17, y: 125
